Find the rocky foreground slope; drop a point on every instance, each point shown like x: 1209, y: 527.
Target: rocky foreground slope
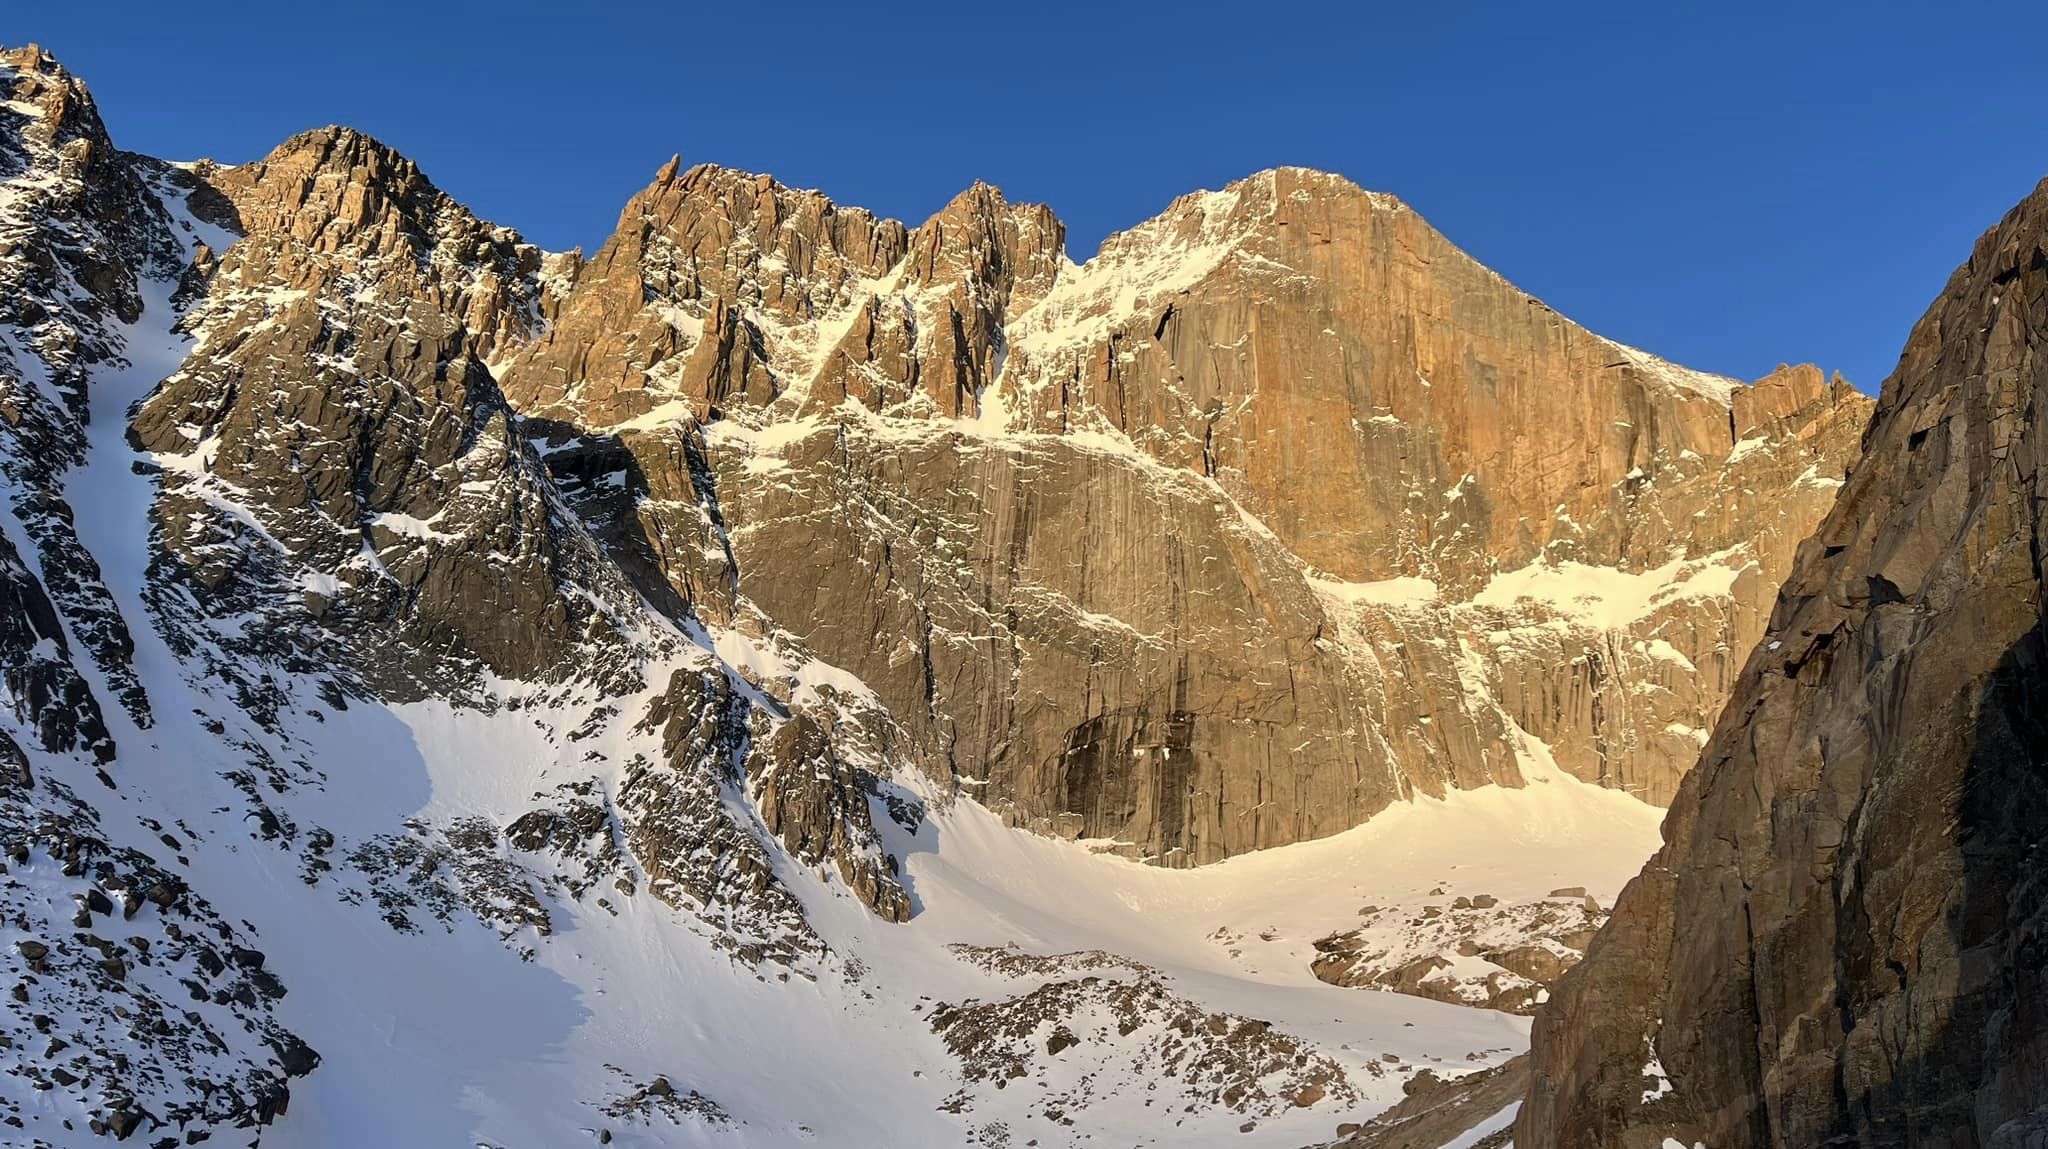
x: 1841, y: 941
x: 510, y: 684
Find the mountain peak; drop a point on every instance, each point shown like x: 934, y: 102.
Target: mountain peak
x: 61, y: 108
x: 979, y: 195
x: 33, y: 57
x: 339, y: 186
x: 981, y: 236
x: 335, y: 139
x: 1266, y: 190
x: 743, y: 199
x: 707, y: 174
x: 337, y: 148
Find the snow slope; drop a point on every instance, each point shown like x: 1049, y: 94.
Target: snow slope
x: 461, y: 990
x: 453, y: 1037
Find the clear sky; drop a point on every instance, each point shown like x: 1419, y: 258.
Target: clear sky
x: 1728, y: 185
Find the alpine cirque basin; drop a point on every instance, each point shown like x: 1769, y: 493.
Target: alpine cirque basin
x: 795, y: 678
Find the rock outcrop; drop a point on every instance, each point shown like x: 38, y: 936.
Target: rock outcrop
x: 680, y: 823
x: 551, y: 625
x: 673, y: 307
x: 1474, y: 1111
x: 1036, y: 1035
x: 83, y: 228
x: 816, y: 803
x: 1465, y: 950
x: 1841, y: 940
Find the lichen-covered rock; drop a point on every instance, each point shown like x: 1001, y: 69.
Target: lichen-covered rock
x: 1840, y: 941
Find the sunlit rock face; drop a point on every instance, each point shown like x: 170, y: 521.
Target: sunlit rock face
x: 1278, y: 509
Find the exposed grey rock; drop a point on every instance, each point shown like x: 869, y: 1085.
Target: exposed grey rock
x: 1526, y: 946
x: 86, y: 234
x: 678, y: 825
x: 817, y: 804
x: 1434, y: 1112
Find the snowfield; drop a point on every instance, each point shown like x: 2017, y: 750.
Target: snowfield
x: 448, y: 1036
x: 452, y: 1035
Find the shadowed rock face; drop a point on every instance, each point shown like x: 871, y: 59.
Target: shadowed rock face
x: 1115, y: 542
x: 1436, y: 1112
x: 1277, y: 511
x: 1841, y: 940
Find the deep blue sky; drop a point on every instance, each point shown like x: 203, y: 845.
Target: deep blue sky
x: 1727, y: 185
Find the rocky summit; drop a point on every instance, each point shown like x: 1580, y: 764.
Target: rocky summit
x: 795, y: 677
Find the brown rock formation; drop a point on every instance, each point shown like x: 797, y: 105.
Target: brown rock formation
x: 1294, y: 324
x: 938, y: 348
x: 1840, y: 942
x: 1075, y: 553
x: 692, y: 253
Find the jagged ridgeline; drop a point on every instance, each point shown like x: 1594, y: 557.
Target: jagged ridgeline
x: 386, y: 603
